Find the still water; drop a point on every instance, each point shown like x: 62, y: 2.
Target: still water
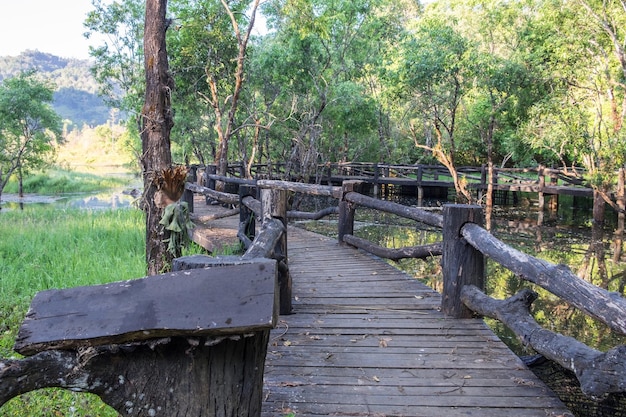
x: 106, y: 200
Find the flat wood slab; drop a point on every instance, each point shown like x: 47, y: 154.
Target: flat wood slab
x: 212, y: 301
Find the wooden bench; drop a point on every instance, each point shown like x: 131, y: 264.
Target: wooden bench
x: 187, y: 343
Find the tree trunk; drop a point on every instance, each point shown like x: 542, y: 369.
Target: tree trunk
x: 157, y: 122
x: 20, y: 181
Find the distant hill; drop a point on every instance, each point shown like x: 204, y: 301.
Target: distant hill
x: 75, y: 98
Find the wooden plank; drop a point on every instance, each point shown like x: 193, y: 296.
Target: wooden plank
x: 367, y: 339
x: 212, y: 301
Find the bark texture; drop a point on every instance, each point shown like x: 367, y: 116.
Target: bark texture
x: 156, y: 121
x: 177, y: 377
x: 599, y: 373
x: 608, y: 307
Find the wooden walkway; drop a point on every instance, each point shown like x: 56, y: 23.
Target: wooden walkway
x: 366, y: 339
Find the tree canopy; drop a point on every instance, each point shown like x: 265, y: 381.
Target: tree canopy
x: 29, y: 127
x: 468, y: 81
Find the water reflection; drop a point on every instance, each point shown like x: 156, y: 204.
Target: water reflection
x: 109, y: 200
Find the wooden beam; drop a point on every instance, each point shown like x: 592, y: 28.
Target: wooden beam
x: 214, y: 301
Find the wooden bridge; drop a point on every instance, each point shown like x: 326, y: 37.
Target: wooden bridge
x: 355, y: 336
x: 366, y: 339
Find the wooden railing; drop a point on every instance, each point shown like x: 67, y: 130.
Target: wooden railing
x: 463, y: 249
x: 538, y: 179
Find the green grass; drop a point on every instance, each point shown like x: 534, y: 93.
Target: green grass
x: 59, y: 181
x: 43, y: 248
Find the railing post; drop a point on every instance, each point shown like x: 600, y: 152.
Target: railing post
x: 246, y: 216
x: 192, y: 177
x: 376, y: 180
x: 420, y: 189
x: 621, y: 200
x: 210, y: 182
x: 274, y: 205
x: 461, y: 263
x: 541, y: 199
x: 346, y: 210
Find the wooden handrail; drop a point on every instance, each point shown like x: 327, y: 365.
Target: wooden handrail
x: 465, y: 244
x: 608, y: 307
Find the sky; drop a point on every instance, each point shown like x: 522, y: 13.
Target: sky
x: 52, y: 26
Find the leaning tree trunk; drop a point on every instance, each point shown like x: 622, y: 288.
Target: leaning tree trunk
x: 157, y: 122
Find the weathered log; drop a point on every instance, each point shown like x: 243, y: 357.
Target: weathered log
x: 413, y: 213
x: 608, y: 307
x: 247, y: 217
x: 185, y: 377
x: 274, y: 210
x: 347, y: 210
x: 184, y: 303
x: 304, y: 215
x: 216, y: 216
x: 461, y: 264
x: 421, y: 252
x: 253, y: 204
x: 299, y: 187
x: 265, y: 243
x: 216, y: 195
x: 599, y: 373
x: 232, y: 180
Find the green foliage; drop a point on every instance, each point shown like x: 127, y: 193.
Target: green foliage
x: 29, y: 127
x: 514, y: 83
x: 119, y: 68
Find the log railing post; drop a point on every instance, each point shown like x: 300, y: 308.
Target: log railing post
x: 376, y: 180
x: 461, y: 263
x: 274, y: 206
x: 208, y: 181
x: 420, y: 189
x: 192, y: 177
x: 541, y: 198
x: 247, y: 223
x: 346, y: 210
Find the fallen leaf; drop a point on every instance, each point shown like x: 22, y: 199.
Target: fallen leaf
x: 384, y: 342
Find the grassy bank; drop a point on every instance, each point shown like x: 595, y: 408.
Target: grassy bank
x: 56, y: 181
x: 43, y: 248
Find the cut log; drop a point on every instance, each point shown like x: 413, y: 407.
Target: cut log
x: 304, y: 215
x: 599, y: 373
x: 297, y: 187
x: 413, y: 213
x: 420, y: 252
x: 215, y: 301
x: 216, y: 195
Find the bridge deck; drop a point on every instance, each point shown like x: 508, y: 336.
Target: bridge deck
x: 366, y: 339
